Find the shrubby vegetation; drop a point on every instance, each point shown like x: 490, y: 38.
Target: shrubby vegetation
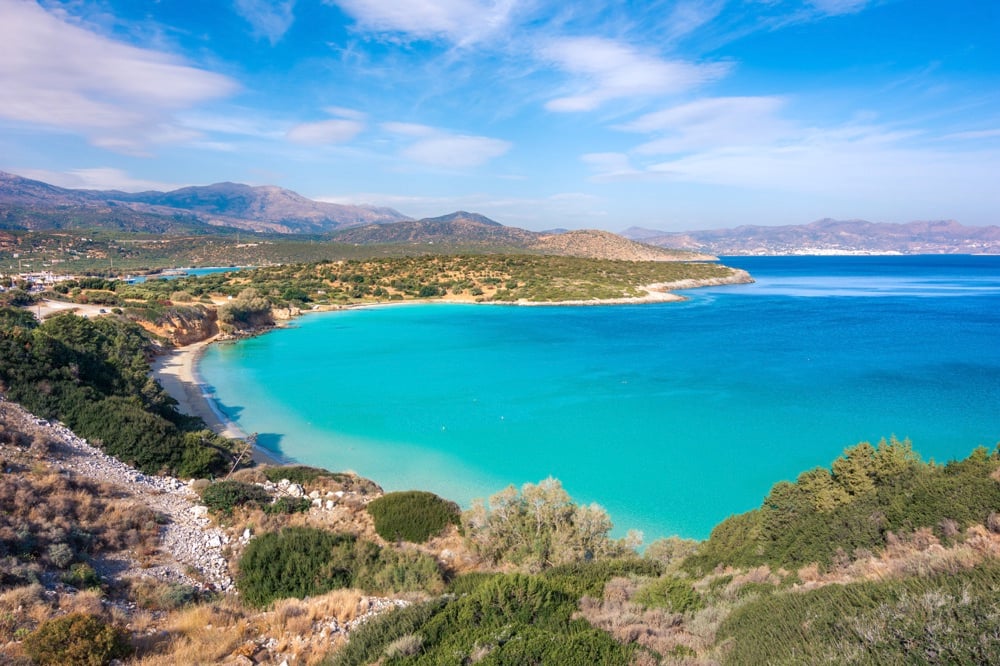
x: 77, y: 638
x: 939, y: 619
x: 868, y: 493
x: 507, y: 619
x: 412, y: 515
x: 93, y: 375
x: 539, y: 527
x: 224, y: 496
x: 248, y: 310
x: 302, y: 561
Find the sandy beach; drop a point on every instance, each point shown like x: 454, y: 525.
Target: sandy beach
x: 177, y: 373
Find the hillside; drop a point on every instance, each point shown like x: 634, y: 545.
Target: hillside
x: 31, y: 204
x: 470, y: 230
x: 831, y: 237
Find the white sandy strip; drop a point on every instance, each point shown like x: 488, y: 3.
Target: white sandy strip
x: 177, y: 373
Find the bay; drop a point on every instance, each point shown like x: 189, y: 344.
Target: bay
x: 672, y: 416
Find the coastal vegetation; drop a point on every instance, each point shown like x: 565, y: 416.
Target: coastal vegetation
x: 879, y: 558
x: 93, y: 375
x: 413, y: 515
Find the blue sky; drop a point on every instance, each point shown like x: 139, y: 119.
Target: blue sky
x: 679, y: 114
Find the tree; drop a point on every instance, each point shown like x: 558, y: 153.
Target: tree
x: 540, y: 527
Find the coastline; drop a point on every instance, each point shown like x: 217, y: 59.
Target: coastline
x: 177, y: 369
x: 177, y: 372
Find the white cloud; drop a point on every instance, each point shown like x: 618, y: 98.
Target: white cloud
x: 860, y: 165
x: 408, y: 129
x: 270, y: 20
x: 437, y: 147
x: 712, y: 122
x: 837, y: 7
x: 456, y: 150
x: 336, y: 130
x: 463, y: 21
x: 609, y: 70
x: 97, y: 178
x: 61, y: 76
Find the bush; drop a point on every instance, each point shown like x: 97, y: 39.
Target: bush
x: 82, y: 576
x: 413, y: 515
x: 675, y: 594
x: 286, y: 505
x: 300, y: 474
x: 224, y: 496
x: 589, y: 578
x: 300, y: 561
x: 76, y: 639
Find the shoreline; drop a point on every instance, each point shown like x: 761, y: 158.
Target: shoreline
x: 177, y: 369
x: 177, y: 372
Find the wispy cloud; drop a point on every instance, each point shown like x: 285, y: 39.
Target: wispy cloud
x: 59, y: 75
x: 711, y: 122
x: 848, y: 163
x: 335, y: 130
x: 608, y: 70
x: 97, y: 178
x: 837, y: 7
x: 460, y: 21
x: 269, y: 20
x: 441, y: 148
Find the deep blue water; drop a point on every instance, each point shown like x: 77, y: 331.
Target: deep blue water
x: 672, y: 416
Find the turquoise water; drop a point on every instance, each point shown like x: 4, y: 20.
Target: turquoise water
x: 671, y: 416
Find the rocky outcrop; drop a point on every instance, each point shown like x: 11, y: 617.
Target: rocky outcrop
x: 185, y: 325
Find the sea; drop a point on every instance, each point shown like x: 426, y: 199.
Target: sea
x: 671, y: 416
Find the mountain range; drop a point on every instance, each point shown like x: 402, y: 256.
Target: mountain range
x: 36, y: 206
x: 29, y: 204
x: 212, y: 209
x: 831, y: 237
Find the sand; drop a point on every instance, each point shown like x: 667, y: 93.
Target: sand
x: 177, y: 373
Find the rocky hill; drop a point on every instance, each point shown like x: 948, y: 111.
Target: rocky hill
x: 465, y: 229
x: 606, y: 245
x: 32, y: 204
x: 832, y: 237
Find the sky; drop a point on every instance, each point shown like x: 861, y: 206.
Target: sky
x: 665, y: 114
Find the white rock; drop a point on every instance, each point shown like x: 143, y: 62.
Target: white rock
x: 295, y: 490
x: 330, y: 504
x: 314, y: 494
x: 199, y: 511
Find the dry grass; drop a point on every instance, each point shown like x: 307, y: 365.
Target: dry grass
x: 916, y: 554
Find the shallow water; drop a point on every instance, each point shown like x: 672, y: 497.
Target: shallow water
x: 672, y: 416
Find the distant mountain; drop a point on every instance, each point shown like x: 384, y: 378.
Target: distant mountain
x: 464, y: 229
x: 832, y: 237
x: 459, y: 228
x: 32, y: 204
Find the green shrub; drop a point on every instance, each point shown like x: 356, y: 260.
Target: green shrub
x: 82, y: 576
x: 868, y: 492
x: 372, y: 639
x: 300, y: 474
x: 941, y: 619
x: 76, y: 639
x: 286, y: 505
x: 589, y: 578
x: 301, y: 561
x: 397, y: 571
x: 675, y: 594
x: 224, y: 496
x: 413, y: 515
